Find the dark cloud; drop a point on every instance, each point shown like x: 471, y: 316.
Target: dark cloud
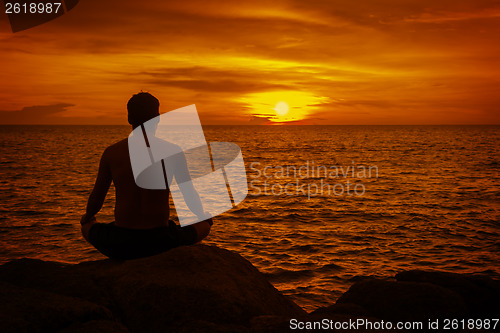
x: 35, y: 114
x: 52, y: 114
x: 387, y: 12
x: 257, y: 120
x: 371, y: 103
x: 205, y: 79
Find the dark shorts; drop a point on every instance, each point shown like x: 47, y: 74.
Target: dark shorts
x: 124, y: 243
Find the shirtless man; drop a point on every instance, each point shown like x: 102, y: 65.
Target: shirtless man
x: 142, y: 227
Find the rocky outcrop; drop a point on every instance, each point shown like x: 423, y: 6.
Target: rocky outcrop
x: 31, y: 310
x: 480, y: 293
x: 207, y: 289
x: 420, y: 296
x: 195, y: 288
x: 404, y: 301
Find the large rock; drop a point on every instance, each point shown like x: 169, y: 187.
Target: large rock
x: 30, y: 310
x: 190, y: 284
x: 194, y: 288
x: 404, y: 301
x: 63, y: 279
x: 207, y: 289
x: 480, y: 293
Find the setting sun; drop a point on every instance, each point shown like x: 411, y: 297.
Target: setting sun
x: 271, y: 105
x: 281, y: 108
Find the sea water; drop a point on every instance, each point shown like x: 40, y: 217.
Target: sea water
x: 327, y: 205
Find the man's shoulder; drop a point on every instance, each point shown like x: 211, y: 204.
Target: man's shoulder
x: 115, y: 148
x: 119, y: 144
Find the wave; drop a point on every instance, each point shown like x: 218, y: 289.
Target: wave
x: 283, y: 275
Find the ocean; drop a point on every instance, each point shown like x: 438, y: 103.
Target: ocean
x: 327, y: 205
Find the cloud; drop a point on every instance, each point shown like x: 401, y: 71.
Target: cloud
x: 388, y: 12
x: 377, y: 103
x: 36, y: 114
x: 255, y: 120
x: 52, y: 114
x: 205, y: 79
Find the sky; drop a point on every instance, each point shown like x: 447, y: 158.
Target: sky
x: 258, y: 62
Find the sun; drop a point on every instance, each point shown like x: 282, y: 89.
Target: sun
x: 284, y: 106
x: 281, y: 109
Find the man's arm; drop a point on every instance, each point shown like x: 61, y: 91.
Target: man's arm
x: 101, y: 187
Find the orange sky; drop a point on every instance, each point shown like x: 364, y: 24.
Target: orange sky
x: 330, y: 62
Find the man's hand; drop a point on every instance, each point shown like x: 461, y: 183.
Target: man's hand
x: 86, y: 219
x: 87, y: 223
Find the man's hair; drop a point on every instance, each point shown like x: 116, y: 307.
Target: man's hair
x: 141, y: 108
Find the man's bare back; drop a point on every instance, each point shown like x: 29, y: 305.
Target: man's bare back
x: 135, y: 207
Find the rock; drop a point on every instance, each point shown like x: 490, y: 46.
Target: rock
x: 197, y: 283
x: 93, y: 326
x: 318, y: 323
x: 404, y: 301
x: 207, y: 289
x: 196, y: 288
x: 270, y: 324
x: 480, y: 293
x: 341, y: 308
x: 63, y: 279
x: 348, y: 312
x: 29, y: 310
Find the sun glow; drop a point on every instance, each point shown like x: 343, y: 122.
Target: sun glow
x: 281, y: 109
x: 283, y: 106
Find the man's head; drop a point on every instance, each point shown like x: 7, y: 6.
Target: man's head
x: 141, y: 108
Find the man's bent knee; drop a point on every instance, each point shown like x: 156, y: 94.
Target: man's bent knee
x: 202, y: 230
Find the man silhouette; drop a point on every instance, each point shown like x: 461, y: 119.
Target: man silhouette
x: 142, y: 226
